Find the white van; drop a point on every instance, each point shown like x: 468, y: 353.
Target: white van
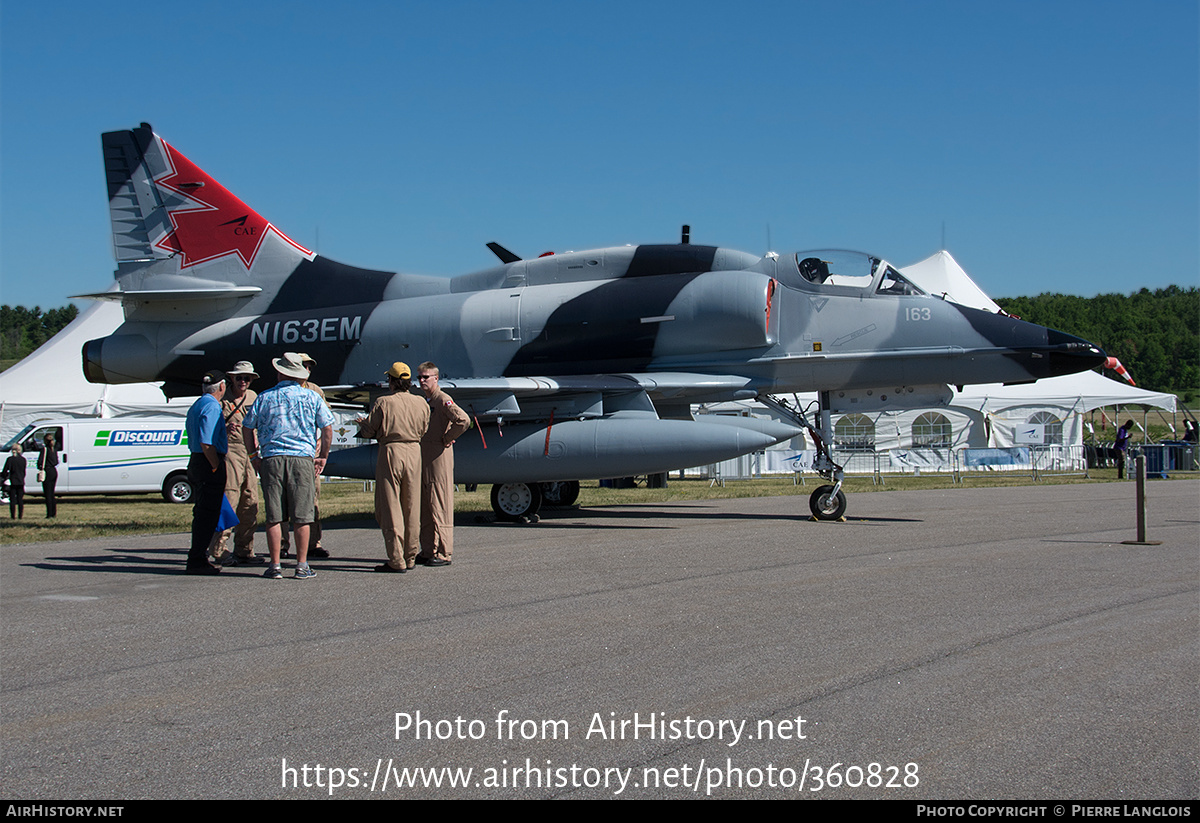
x: 111, y: 456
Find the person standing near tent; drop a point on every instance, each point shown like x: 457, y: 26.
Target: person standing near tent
x: 14, y: 474
x: 1122, y: 447
x: 47, y: 464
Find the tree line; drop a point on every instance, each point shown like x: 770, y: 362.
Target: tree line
x: 22, y: 330
x: 1155, y: 334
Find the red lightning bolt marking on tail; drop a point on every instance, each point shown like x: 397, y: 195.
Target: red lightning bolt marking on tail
x: 218, y: 224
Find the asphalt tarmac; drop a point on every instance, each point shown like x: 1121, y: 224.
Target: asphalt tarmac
x: 959, y: 644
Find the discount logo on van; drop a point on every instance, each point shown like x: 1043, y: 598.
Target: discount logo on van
x: 134, y: 437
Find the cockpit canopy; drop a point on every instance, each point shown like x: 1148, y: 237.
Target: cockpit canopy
x: 839, y: 270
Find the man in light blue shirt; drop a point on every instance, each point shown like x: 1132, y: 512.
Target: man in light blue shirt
x: 281, y: 427
x: 208, y: 443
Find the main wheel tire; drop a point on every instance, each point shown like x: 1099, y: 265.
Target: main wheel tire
x: 177, y: 489
x: 560, y: 493
x: 825, y: 505
x: 514, y: 502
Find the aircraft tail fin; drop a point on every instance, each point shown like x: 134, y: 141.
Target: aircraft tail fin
x: 168, y: 213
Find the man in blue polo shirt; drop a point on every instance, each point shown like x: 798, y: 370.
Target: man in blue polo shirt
x: 281, y: 426
x: 208, y: 443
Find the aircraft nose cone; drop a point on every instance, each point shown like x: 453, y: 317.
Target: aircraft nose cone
x: 1069, y: 354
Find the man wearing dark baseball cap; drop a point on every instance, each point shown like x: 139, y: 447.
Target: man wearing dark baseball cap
x: 208, y: 443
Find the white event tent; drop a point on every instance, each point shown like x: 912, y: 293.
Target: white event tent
x: 49, y: 383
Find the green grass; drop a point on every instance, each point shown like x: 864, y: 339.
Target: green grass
x: 114, y: 515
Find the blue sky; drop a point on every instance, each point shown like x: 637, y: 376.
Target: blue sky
x: 1058, y: 143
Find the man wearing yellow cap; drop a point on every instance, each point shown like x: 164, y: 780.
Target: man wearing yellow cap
x: 398, y: 421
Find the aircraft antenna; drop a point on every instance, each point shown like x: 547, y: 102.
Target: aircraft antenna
x: 687, y: 235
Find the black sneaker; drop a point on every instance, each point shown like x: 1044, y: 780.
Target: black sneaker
x: 206, y: 569
x: 273, y: 573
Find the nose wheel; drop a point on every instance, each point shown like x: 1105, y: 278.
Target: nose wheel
x: 827, y: 503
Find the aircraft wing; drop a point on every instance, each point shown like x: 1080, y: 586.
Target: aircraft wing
x: 573, y: 396
x: 578, y: 427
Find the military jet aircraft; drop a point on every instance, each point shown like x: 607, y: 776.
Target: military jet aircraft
x: 574, y: 366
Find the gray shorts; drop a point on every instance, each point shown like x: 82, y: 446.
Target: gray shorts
x: 289, y: 489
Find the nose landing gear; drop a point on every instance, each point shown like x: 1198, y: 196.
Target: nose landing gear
x: 828, y: 502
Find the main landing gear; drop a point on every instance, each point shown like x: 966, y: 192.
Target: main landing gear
x: 520, y: 502
x: 517, y: 502
x: 827, y: 502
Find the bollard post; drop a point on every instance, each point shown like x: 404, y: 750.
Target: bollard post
x: 1140, y: 472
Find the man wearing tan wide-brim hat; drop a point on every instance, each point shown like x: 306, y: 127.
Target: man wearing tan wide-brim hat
x: 282, y: 424
x: 315, y: 549
x: 241, y: 482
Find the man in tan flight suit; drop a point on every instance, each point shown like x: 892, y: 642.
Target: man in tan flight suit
x: 241, y: 481
x: 446, y: 423
x: 398, y: 421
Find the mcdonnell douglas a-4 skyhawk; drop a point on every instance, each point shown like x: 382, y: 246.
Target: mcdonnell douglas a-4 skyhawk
x: 576, y: 366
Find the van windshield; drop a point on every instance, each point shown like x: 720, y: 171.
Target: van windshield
x: 20, y: 436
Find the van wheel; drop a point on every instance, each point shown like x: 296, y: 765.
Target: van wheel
x: 177, y: 489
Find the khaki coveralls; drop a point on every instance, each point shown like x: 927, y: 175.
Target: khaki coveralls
x: 398, y: 421
x: 446, y: 423
x: 241, y: 483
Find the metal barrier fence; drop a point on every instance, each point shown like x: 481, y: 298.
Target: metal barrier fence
x: 962, y: 464
x: 859, y: 461
x: 915, y: 462
x: 970, y: 462
x: 1165, y: 459
x: 882, y: 464
x: 853, y: 461
x: 1059, y: 461
x: 1036, y: 461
